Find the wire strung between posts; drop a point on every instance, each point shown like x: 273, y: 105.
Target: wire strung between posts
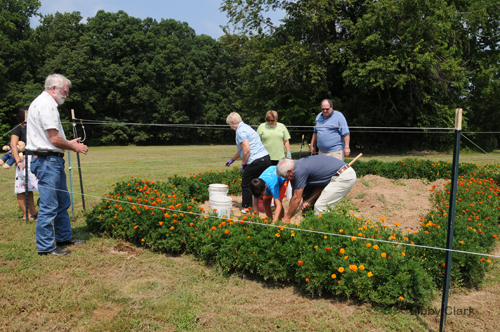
x: 281, y: 227
x: 473, y: 143
x: 191, y: 125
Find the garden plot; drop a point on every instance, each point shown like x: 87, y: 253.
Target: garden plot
x: 375, y: 197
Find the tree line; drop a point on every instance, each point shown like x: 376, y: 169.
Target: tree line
x: 387, y: 63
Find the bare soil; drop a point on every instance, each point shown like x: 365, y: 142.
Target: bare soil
x: 375, y: 197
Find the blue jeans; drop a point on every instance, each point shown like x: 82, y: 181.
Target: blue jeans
x: 54, y: 202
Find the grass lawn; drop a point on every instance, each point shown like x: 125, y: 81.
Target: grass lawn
x: 107, y: 285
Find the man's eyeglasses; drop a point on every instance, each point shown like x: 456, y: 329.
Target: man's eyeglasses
x: 325, y: 109
x: 64, y: 92
x: 269, y: 120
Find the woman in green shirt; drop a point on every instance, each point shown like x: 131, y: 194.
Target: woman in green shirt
x: 274, y: 136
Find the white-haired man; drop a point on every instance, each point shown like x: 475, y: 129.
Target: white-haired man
x: 47, y: 142
x: 326, y: 173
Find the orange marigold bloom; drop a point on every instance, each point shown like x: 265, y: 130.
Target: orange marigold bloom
x: 136, y: 226
x: 307, y: 279
x: 396, y: 223
x: 341, y: 250
x: 328, y: 248
x: 191, y: 224
x: 142, y: 240
x: 346, y: 257
x: 301, y: 262
x: 401, y: 298
x: 370, y: 274
x: 353, y: 267
x: 213, y: 228
x: 403, y: 253
x: 172, y: 228
x: 161, y: 223
x: 361, y: 267
x: 248, y: 236
x: 375, y: 247
x: 383, y: 254
x: 382, y: 219
x: 341, y: 269
x: 368, y: 245
x: 226, y: 231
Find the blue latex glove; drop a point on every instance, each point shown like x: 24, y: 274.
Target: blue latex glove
x: 229, y: 162
x: 242, y: 167
x: 289, y: 155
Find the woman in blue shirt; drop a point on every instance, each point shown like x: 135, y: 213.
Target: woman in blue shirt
x: 253, y: 154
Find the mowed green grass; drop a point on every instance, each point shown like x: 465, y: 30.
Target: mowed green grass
x: 108, y: 286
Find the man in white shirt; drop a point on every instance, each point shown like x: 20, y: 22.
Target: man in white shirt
x: 46, y: 142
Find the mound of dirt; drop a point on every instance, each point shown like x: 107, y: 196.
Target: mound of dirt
x: 375, y: 197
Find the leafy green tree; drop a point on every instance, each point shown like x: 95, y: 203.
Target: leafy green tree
x: 16, y: 57
x: 384, y: 63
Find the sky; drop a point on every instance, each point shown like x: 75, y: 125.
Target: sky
x: 204, y: 16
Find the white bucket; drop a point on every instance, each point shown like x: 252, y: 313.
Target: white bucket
x: 216, y: 189
x: 223, y: 205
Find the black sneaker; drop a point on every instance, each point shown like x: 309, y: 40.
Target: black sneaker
x: 55, y: 252
x: 70, y: 242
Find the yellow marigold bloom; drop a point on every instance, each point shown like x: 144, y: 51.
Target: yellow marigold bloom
x: 325, y: 237
x: 383, y: 254
x: 341, y: 250
x: 401, y: 298
x: 315, y: 247
x: 368, y: 221
x: 341, y: 269
x: 396, y: 223
x: 368, y: 245
x: 277, y: 234
x: 375, y: 247
x: 403, y: 253
x: 382, y: 219
x: 361, y: 267
x: 346, y: 257
x: 488, y: 261
x: 370, y: 274
x: 353, y: 238
x: 334, y: 276
x: 360, y: 234
x: 353, y: 267
x: 293, y: 234
x: 341, y: 230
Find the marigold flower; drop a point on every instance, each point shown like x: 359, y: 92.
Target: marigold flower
x: 248, y: 236
x: 353, y: 267
x: 361, y: 267
x: 353, y: 238
x: 375, y: 247
x: 213, y: 228
x: 341, y: 250
x: 136, y: 226
x: 346, y: 257
x: 403, y: 253
x: 382, y: 219
x: 328, y: 248
x: 368, y: 245
x: 341, y: 269
x: 277, y: 234
x: 488, y: 261
x: 226, y: 231
x: 401, y: 298
x: 307, y: 279
x: 142, y: 240
x: 396, y: 223
x: 301, y: 262
x: 383, y: 254
x: 172, y: 228
x: 191, y: 224
x: 161, y: 223
x: 370, y: 274
x: 319, y: 216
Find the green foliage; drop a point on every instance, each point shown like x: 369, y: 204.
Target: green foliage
x: 166, y: 217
